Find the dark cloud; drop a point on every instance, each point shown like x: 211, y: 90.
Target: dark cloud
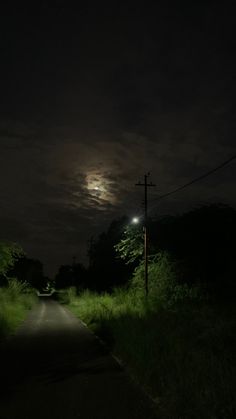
x: 93, y: 99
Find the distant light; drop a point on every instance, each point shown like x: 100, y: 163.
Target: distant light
x: 135, y: 220
x: 96, y: 188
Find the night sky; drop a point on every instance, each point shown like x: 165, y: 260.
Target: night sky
x: 92, y: 98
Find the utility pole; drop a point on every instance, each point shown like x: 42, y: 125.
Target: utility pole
x: 145, y: 228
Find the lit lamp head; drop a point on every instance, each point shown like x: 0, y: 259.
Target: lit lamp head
x: 135, y: 220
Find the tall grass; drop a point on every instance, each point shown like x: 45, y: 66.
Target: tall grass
x: 15, y: 301
x: 183, y: 354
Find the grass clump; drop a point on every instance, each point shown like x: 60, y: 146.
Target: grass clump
x: 182, y: 353
x: 16, y: 300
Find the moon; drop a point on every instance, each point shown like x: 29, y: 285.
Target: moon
x: 99, y: 187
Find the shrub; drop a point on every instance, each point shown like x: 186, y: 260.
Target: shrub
x: 165, y: 288
x: 15, y: 301
x: 183, y: 355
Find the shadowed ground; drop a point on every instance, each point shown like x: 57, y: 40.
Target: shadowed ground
x: 54, y: 367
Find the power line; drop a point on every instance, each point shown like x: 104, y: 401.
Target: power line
x: 196, y: 179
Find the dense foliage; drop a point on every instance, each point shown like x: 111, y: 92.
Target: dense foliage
x: 201, y: 242
x: 183, y: 354
x: 9, y: 254
x: 180, y: 342
x: 105, y: 269
x: 130, y: 246
x: 29, y: 271
x: 15, y: 264
x: 71, y: 275
x: 15, y: 301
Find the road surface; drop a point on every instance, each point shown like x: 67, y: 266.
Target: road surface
x: 54, y: 367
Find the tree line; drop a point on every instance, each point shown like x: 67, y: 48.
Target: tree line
x: 200, y: 244
x: 14, y: 264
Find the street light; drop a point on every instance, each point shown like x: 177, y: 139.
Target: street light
x: 135, y: 220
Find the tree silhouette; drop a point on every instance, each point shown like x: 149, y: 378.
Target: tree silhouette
x: 204, y: 240
x: 29, y: 271
x: 201, y: 240
x: 9, y: 254
x: 106, y: 270
x: 71, y: 276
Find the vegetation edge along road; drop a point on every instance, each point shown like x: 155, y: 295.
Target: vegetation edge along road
x: 16, y: 300
x: 182, y: 357
x: 180, y: 343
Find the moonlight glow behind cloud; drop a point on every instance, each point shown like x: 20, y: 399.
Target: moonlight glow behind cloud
x: 90, y: 102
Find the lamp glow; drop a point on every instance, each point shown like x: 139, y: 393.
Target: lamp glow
x: 135, y: 220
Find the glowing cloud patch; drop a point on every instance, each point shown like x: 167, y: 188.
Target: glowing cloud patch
x: 98, y: 187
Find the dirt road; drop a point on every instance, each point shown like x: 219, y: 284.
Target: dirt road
x: 54, y: 367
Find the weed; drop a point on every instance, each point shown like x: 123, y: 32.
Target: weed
x: 182, y: 354
x: 15, y: 301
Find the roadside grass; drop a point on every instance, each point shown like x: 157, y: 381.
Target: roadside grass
x: 15, y: 301
x: 183, y: 355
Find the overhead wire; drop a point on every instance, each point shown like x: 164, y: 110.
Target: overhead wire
x: 208, y: 173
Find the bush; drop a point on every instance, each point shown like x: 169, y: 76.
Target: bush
x: 183, y: 355
x: 164, y: 280
x: 66, y: 295
x: 15, y: 301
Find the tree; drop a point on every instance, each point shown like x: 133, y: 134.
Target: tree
x: 9, y: 254
x: 71, y: 276
x: 106, y: 270
x: 30, y: 271
x: 201, y: 240
x: 130, y: 247
x: 204, y: 240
